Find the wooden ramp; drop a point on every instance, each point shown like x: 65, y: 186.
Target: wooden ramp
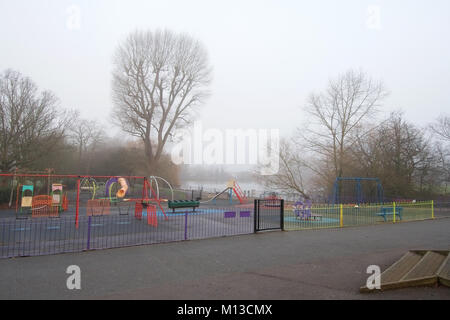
x: 416, y: 268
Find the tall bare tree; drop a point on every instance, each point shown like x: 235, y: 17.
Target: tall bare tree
x: 30, y: 122
x: 86, y: 135
x: 336, y: 113
x: 158, y: 79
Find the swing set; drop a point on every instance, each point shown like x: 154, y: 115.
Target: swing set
x: 39, y: 195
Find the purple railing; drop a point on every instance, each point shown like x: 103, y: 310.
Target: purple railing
x: 43, y: 236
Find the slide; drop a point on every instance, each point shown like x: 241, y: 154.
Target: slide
x: 239, y: 194
x: 216, y: 195
x: 123, y: 187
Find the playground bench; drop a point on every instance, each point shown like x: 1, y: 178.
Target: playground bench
x: 388, y: 211
x: 183, y: 204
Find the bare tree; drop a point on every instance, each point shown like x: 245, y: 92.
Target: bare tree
x: 86, y: 135
x: 30, y: 124
x: 400, y: 154
x: 441, y: 130
x: 158, y: 79
x: 442, y: 127
x: 337, y: 113
x: 290, y: 175
x: 443, y: 166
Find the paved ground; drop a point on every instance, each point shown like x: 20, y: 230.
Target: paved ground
x: 319, y: 264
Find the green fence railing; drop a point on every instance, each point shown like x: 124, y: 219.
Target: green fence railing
x: 335, y: 216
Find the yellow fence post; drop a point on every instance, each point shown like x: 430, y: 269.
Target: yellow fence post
x: 432, y: 209
x: 341, y: 215
x: 393, y: 206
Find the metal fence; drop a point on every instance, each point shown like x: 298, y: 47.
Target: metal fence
x: 124, y: 227
x: 268, y: 214
x: 442, y: 208
x: 335, y: 216
x: 42, y: 236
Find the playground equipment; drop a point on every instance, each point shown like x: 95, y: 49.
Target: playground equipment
x: 183, y: 204
x: 98, y: 207
x: 27, y: 197
x: 148, y: 202
x: 357, y: 190
x: 105, y: 194
x: 390, y: 211
x: 303, y: 211
x: 41, y: 205
x: 120, y: 190
x: 154, y: 179
x: 232, y: 186
x: 57, y: 195
x: 114, y: 183
x: 89, y: 184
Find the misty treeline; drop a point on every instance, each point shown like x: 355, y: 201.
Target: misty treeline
x: 36, y: 134
x: 347, y: 134
x: 158, y: 80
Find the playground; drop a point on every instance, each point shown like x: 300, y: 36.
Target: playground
x: 49, y: 214
x: 46, y: 215
x: 87, y: 213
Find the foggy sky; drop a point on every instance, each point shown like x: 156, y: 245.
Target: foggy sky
x: 267, y: 56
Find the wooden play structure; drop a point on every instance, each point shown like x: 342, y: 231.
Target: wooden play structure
x: 416, y: 268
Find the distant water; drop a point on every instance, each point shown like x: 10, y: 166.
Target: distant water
x: 252, y: 187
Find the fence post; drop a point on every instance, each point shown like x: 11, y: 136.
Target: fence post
x: 432, y: 209
x: 78, y: 203
x: 88, y: 245
x: 255, y: 213
x: 341, y: 215
x: 144, y: 189
x: 185, y: 225
x: 282, y: 215
x: 393, y: 206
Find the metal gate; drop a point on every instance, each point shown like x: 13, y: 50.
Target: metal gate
x: 269, y: 214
